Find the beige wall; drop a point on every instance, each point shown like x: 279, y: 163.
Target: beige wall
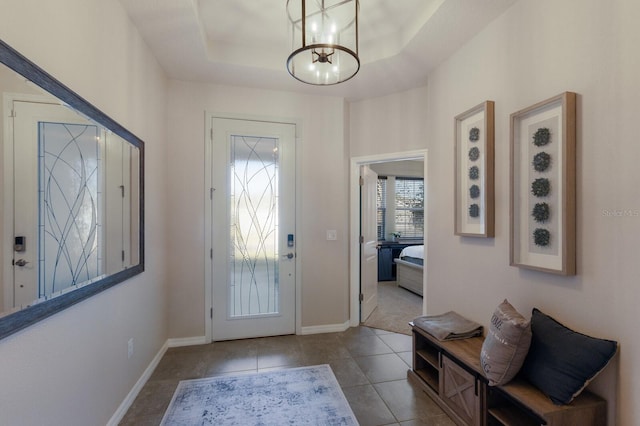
x: 72, y: 368
x: 322, y: 173
x: 389, y: 124
x: 537, y: 49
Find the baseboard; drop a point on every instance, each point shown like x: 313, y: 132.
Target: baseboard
x: 330, y: 328
x: 133, y: 393
x: 187, y: 341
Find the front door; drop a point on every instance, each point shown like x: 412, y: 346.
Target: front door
x: 55, y: 200
x: 252, y: 228
x: 61, y: 191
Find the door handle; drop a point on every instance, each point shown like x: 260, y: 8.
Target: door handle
x: 288, y: 256
x: 20, y: 262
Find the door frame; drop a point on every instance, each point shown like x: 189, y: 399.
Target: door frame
x: 354, y: 224
x: 208, y: 229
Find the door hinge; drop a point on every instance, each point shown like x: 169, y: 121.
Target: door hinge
x: 211, y: 133
x: 361, y: 181
x: 211, y: 313
x: 361, y: 297
x: 361, y: 239
x: 13, y: 113
x: 123, y: 255
x: 122, y: 190
x: 211, y: 193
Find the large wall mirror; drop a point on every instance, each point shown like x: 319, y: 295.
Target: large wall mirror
x: 72, y: 207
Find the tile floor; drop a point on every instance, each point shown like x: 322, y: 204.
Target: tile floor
x: 370, y: 365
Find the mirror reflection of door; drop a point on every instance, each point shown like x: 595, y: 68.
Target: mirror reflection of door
x: 253, y: 229
x: 61, y: 193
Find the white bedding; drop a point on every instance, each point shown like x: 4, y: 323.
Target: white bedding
x: 413, y: 251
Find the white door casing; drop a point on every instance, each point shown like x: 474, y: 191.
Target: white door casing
x: 253, y: 241
x: 354, y: 225
x: 369, y: 245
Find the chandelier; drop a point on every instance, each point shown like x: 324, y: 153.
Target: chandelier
x: 324, y: 37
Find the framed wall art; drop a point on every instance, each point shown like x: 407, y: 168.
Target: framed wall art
x: 543, y: 186
x: 473, y: 176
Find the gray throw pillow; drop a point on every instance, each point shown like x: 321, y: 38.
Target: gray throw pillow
x: 506, y: 344
x: 562, y: 362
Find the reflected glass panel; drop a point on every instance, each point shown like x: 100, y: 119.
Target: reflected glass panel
x: 70, y: 205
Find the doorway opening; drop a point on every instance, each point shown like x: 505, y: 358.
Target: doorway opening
x: 408, y: 165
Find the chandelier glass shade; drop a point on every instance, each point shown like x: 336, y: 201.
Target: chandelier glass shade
x: 324, y: 37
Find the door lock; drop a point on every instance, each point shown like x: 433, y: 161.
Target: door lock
x: 19, y: 243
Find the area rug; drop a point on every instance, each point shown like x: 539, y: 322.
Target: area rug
x: 294, y: 396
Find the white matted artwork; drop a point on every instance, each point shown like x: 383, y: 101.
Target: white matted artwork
x: 474, y: 168
x: 543, y: 156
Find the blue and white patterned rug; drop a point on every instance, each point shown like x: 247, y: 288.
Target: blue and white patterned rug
x: 295, y: 396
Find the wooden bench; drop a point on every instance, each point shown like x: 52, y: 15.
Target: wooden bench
x: 451, y: 374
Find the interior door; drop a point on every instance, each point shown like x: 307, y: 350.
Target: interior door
x: 369, y: 242
x: 253, y: 229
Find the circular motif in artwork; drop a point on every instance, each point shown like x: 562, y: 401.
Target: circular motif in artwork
x: 474, y: 134
x: 541, y: 237
x: 474, y: 153
x: 541, y: 137
x: 541, y: 161
x: 474, y: 173
x: 474, y: 191
x: 540, y: 212
x: 541, y: 187
x: 474, y: 210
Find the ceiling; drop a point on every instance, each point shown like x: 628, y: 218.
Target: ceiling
x: 245, y: 42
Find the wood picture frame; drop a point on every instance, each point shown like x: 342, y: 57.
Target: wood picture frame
x: 474, y: 205
x: 543, y: 186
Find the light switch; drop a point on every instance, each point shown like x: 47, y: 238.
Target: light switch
x: 332, y: 235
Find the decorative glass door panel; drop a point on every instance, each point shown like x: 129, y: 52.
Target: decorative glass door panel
x: 253, y: 278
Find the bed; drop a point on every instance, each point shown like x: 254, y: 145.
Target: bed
x: 410, y: 268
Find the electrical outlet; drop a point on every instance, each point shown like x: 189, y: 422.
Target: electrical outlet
x: 332, y: 235
x: 130, y: 348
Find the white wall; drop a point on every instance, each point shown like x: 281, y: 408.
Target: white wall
x: 322, y: 169
x: 72, y: 369
x: 537, y: 49
x: 389, y: 124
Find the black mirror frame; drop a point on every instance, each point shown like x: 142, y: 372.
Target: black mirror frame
x: 19, y: 320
